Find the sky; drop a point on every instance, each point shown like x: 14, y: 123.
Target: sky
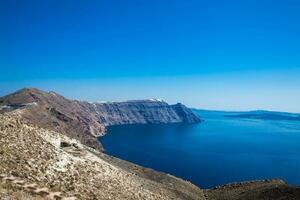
x: 213, y: 54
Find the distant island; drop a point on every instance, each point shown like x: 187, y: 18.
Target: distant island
x: 266, y: 115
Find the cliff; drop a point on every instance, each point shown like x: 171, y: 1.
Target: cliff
x: 87, y: 121
x: 143, y: 112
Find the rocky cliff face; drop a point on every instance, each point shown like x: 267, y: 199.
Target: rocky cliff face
x: 87, y: 121
x: 143, y: 112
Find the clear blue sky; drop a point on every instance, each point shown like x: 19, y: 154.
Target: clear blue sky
x: 215, y: 54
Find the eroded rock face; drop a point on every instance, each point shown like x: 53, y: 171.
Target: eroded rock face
x: 143, y: 112
x: 186, y: 115
x: 87, y: 121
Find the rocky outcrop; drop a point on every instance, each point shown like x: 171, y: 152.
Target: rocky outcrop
x: 87, y: 121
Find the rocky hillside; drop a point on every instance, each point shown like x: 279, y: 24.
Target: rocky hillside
x: 52, y: 111
x: 38, y: 163
x: 254, y: 190
x: 86, y: 121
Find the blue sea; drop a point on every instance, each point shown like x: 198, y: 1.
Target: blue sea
x: 217, y: 151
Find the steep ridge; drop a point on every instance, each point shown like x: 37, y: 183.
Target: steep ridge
x: 87, y: 121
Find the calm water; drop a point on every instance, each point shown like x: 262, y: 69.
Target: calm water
x: 217, y: 151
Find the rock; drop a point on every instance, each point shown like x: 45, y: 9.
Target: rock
x: 75, y: 146
x: 64, y: 144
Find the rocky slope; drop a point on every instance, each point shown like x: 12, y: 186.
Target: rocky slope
x: 254, y: 190
x: 37, y: 163
x: 52, y: 111
x: 86, y: 121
